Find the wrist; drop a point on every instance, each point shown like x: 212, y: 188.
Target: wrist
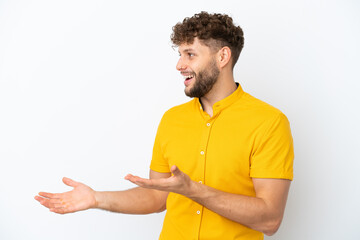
x: 195, y: 189
x: 97, y: 199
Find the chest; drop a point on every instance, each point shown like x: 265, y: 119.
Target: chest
x: 216, y: 151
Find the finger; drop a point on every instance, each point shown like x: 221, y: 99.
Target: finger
x: 62, y: 210
x: 49, y: 195
x: 142, y: 182
x: 50, y: 202
x: 37, y: 198
x: 70, y: 182
x: 57, y: 205
x: 128, y: 177
x: 57, y: 201
x: 58, y: 210
x: 43, y: 201
x: 134, y: 179
x: 40, y: 199
x: 175, y: 170
x: 53, y: 205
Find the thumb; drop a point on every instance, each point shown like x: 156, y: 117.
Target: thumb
x: 70, y: 182
x: 175, y: 170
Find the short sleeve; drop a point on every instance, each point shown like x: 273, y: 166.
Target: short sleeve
x: 273, y: 156
x: 158, y: 162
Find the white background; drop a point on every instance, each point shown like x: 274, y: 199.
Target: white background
x: 83, y: 86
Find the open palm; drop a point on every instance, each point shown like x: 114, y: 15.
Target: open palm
x: 82, y: 197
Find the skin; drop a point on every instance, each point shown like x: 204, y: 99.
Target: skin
x: 196, y: 57
x: 205, y: 79
x: 82, y: 197
x: 263, y: 212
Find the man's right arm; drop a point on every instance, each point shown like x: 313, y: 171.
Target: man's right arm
x: 133, y: 201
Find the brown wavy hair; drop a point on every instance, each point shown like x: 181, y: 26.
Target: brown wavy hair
x: 214, y: 30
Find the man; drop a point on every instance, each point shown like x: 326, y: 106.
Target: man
x: 222, y: 162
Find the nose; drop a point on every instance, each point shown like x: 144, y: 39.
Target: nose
x: 180, y: 66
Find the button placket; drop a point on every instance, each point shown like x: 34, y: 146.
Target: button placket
x: 207, y: 126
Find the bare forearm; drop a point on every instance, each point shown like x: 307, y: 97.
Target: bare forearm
x: 133, y: 201
x: 252, y: 212
x: 263, y: 212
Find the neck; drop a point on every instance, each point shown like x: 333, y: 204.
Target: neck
x: 224, y: 87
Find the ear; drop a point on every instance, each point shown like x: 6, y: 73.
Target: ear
x: 224, y: 56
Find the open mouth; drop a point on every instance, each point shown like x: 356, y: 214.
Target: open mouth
x: 188, y: 79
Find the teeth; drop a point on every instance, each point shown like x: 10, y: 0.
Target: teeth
x: 188, y: 77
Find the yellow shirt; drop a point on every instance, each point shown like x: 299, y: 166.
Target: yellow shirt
x: 246, y: 138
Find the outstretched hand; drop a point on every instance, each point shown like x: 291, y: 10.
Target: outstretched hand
x: 82, y: 197
x: 179, y: 182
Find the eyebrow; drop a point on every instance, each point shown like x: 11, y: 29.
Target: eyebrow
x: 188, y: 50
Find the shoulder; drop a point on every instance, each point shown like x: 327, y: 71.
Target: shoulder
x: 180, y: 110
x: 256, y: 114
x: 176, y: 116
x: 258, y: 108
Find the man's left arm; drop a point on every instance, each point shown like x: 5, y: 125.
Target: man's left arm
x: 263, y: 213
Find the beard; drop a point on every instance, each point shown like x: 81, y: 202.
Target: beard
x: 204, y: 80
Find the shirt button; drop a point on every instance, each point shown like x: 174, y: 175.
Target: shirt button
x: 202, y: 153
x: 208, y: 124
x: 198, y: 212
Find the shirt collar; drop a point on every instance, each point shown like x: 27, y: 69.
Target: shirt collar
x: 225, y: 102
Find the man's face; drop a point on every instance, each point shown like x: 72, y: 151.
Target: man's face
x: 197, y: 64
